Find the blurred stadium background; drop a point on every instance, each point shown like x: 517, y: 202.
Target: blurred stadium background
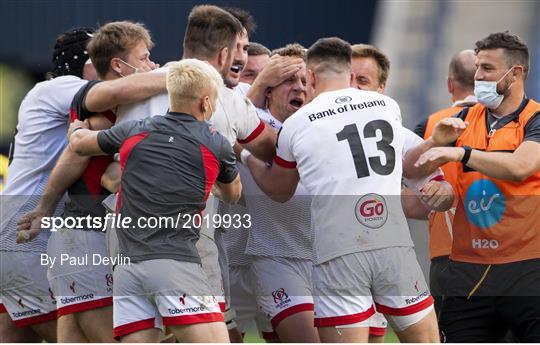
x: 419, y: 37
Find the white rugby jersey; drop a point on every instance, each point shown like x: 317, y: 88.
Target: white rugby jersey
x: 40, y: 140
x: 347, y: 146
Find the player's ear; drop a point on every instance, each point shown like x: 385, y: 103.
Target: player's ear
x: 518, y: 72
x: 203, y: 104
x: 450, y: 85
x: 116, y: 65
x: 311, y: 79
x: 381, y: 88
x: 352, y: 79
x: 222, y: 57
x: 268, y: 92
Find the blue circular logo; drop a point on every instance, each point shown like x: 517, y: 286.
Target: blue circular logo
x: 484, y: 204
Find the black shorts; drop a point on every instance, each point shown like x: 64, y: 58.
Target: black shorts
x: 483, y: 302
x: 437, y: 269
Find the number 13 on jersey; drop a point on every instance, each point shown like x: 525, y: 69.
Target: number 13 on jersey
x: 351, y: 134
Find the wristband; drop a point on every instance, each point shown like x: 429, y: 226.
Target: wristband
x: 466, y: 155
x: 244, y: 156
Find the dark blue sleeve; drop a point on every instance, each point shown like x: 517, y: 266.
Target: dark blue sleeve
x: 532, y: 129
x: 110, y: 140
x: 227, y: 163
x: 77, y: 105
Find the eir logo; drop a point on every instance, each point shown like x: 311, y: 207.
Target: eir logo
x: 371, y: 211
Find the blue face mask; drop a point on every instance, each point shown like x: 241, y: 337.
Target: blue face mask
x: 486, y: 92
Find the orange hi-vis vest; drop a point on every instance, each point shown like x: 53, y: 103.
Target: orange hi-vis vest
x: 440, y: 223
x: 496, y: 221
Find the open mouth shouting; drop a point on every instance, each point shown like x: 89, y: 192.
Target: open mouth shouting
x: 296, y: 102
x: 236, y: 69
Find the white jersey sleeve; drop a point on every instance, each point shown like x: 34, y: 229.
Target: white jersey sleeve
x: 284, y: 155
x: 40, y: 140
x: 411, y: 140
x: 155, y: 105
x: 236, y: 118
x: 57, y: 96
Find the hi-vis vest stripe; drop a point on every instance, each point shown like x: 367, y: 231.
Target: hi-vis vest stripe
x: 496, y: 221
x: 440, y: 223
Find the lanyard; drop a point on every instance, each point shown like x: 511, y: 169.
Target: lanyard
x: 503, y: 121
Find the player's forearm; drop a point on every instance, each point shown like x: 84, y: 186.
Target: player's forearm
x: 110, y: 180
x: 256, y: 93
x: 413, y: 207
x: 409, y: 168
x: 84, y: 143
x: 499, y: 165
x: 231, y: 192
x: 133, y: 88
x: 68, y: 169
x: 264, y: 146
x: 262, y: 174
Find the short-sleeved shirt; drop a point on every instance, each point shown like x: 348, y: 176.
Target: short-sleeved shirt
x: 347, y: 146
x: 169, y: 165
x: 86, y: 194
x: 39, y: 142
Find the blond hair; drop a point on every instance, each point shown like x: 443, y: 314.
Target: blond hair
x: 191, y: 79
x: 291, y: 50
x: 115, y: 40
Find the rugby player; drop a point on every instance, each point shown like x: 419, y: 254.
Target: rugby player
x: 186, y: 158
x: 40, y: 139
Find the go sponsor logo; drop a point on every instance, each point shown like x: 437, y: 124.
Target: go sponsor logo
x: 371, y: 211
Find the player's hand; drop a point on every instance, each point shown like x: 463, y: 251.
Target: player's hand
x: 279, y: 69
x: 448, y: 130
x: 77, y: 124
x: 29, y: 226
x: 440, y: 156
x: 436, y: 193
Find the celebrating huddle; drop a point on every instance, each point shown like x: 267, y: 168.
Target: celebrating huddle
x: 302, y: 148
